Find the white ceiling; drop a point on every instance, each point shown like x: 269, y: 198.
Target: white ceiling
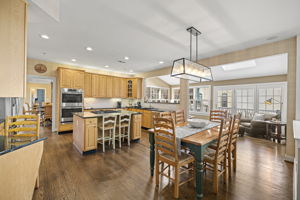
x: 149, y: 31
x: 266, y: 66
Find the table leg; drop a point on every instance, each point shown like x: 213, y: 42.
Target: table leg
x: 279, y: 134
x: 198, y: 153
x: 152, y: 152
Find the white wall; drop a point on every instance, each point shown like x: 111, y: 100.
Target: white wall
x: 296, y: 177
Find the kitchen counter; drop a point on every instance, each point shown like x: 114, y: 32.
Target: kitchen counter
x: 132, y: 107
x: 9, y: 144
x: 86, y: 115
x: 20, y: 159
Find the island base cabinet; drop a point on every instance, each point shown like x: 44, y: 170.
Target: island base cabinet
x: 85, y: 133
x: 136, y: 127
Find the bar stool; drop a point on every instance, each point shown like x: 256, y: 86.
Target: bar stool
x: 107, y: 130
x: 123, y: 129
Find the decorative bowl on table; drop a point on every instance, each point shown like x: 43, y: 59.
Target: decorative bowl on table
x: 197, y: 123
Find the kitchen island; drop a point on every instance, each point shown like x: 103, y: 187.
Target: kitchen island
x: 85, y: 128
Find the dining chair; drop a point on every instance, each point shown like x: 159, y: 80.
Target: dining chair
x: 215, y: 160
x: 107, y: 131
x: 217, y: 115
x: 167, y: 115
x: 232, y: 147
x: 179, y: 117
x: 22, y: 125
x: 123, y: 127
x: 166, y: 153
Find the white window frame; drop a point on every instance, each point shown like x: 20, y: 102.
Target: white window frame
x: 282, y: 85
x: 159, y: 93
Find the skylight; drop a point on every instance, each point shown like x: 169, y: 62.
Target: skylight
x: 239, y: 65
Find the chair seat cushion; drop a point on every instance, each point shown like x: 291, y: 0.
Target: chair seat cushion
x: 183, y: 157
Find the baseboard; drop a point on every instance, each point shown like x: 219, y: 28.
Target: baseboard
x: 288, y: 158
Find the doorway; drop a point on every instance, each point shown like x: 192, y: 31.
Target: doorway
x: 41, y: 92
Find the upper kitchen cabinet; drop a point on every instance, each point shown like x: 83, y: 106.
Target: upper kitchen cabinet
x: 13, y: 48
x: 98, y: 85
x: 70, y: 78
x: 123, y: 88
x: 134, y: 88
x: 88, y: 85
x: 116, y: 87
x: 109, y: 86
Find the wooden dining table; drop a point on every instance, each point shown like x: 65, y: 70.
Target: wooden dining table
x: 197, y: 143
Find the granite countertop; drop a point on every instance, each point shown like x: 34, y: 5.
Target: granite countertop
x: 9, y: 144
x: 93, y: 115
x: 135, y: 107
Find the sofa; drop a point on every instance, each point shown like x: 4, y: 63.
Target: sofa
x: 256, y: 126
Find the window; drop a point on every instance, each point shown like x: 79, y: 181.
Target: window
x: 199, y: 99
x: 224, y: 99
x: 250, y: 99
x: 176, y: 94
x: 156, y: 94
x: 244, y: 98
x: 273, y: 94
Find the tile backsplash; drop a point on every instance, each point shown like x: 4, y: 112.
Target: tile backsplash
x: 107, y: 102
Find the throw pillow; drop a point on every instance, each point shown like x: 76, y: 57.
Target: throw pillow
x: 258, y: 117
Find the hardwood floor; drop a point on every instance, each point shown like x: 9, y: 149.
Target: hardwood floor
x: 124, y: 173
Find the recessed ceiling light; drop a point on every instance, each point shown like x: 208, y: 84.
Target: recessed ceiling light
x: 161, y: 62
x: 106, y: 66
x: 239, y: 65
x: 89, y: 48
x: 73, y: 60
x: 45, y: 36
x: 126, y: 58
x: 131, y: 71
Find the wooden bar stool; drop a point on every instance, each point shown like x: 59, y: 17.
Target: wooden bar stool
x: 107, y: 130
x: 215, y: 160
x: 166, y: 153
x: 123, y: 129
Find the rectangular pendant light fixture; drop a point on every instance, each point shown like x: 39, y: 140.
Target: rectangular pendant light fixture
x: 188, y: 69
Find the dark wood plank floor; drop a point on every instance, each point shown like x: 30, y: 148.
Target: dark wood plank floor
x: 124, y: 173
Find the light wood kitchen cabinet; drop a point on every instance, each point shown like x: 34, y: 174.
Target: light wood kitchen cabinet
x: 134, y: 88
x: 116, y: 89
x: 13, y: 45
x: 85, y: 133
x: 70, y: 78
x: 109, y: 86
x: 78, y: 79
x: 136, y: 127
x: 147, y: 119
x: 88, y: 85
x: 102, y: 86
x: 123, y: 88
x: 98, y: 85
